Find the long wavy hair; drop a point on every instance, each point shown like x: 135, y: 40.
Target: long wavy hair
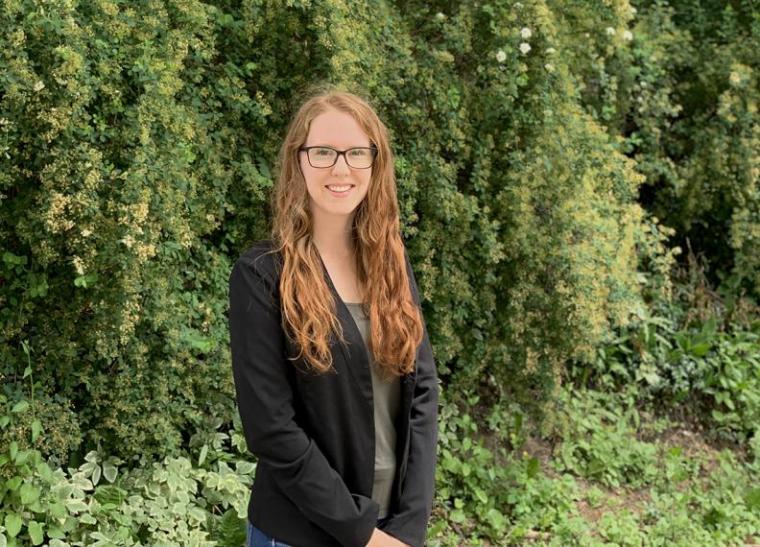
x: 307, y: 304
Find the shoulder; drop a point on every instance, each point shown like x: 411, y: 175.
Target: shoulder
x: 263, y: 260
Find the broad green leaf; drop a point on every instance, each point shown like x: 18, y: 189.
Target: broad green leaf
x: 20, y: 406
x: 35, y: 532
x: 12, y: 524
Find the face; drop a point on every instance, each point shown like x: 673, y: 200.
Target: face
x: 340, y: 131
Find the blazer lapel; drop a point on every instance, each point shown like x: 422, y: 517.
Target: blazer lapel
x: 355, y: 355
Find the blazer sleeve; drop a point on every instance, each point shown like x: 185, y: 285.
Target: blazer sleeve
x: 409, y: 523
x: 265, y: 403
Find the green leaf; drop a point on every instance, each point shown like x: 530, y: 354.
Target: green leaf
x: 496, y: 519
x: 13, y: 260
x: 57, y: 510
x: 96, y: 474
x: 457, y: 516
x: 109, y: 472
x: 75, y: 505
x: 752, y: 499
x: 12, y: 524
x: 532, y: 467
x: 20, y: 406
x: 85, y: 281
x: 35, y: 532
x: 28, y: 493
x: 36, y: 429
x: 700, y: 350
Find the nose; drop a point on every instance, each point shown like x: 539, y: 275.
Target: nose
x: 341, y: 167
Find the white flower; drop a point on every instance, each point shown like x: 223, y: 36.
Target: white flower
x: 128, y: 240
x: 525, y: 47
x: 78, y: 265
x: 627, y: 35
x: 525, y: 33
x: 633, y: 10
x: 440, y: 16
x: 643, y: 84
x: 39, y: 86
x: 501, y: 56
x: 551, y: 51
x: 610, y: 31
x: 735, y: 78
x: 86, y: 232
x: 549, y: 67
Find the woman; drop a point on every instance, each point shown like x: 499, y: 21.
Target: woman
x: 334, y: 373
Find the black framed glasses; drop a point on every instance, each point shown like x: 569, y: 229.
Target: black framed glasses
x: 359, y: 157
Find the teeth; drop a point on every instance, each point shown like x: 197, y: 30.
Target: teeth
x: 339, y: 188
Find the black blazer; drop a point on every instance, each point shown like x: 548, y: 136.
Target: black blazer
x: 313, y: 436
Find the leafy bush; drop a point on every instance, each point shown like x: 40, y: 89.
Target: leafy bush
x: 678, y: 79
x: 694, y: 351
x: 102, y: 502
x: 140, y: 145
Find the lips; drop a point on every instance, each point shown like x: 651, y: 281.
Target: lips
x: 341, y: 193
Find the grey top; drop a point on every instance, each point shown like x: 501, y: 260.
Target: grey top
x: 386, y: 398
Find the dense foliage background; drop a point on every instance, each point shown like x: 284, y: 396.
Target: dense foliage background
x: 557, y: 163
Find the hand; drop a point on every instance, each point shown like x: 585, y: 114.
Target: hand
x: 381, y: 539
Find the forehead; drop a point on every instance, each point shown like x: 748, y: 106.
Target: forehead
x: 336, y: 128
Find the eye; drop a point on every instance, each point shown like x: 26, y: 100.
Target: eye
x: 358, y: 152
x: 323, y: 151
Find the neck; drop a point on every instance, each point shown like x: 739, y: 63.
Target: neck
x: 332, y: 235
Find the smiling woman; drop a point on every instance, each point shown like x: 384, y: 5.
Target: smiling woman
x: 334, y: 373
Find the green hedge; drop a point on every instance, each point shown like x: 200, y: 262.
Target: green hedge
x: 136, y: 159
x: 682, y: 88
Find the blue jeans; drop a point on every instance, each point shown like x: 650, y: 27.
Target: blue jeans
x: 255, y: 537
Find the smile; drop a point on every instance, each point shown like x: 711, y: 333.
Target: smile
x: 339, y: 190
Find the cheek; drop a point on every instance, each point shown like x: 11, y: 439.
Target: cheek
x: 311, y: 177
x: 365, y: 188
x: 313, y: 187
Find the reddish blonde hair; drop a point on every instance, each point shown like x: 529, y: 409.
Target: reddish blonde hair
x: 308, y: 307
